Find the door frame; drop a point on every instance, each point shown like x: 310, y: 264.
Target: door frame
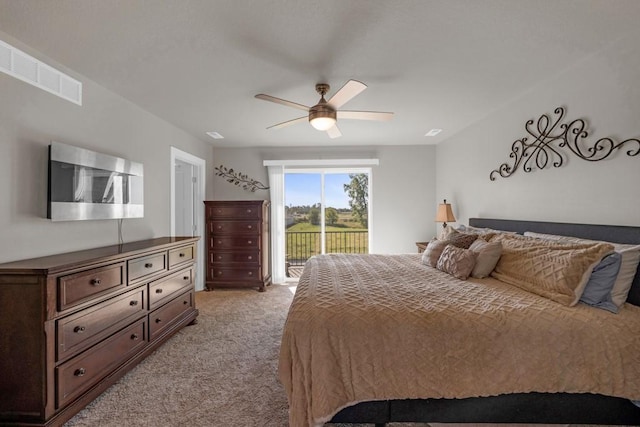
x: 322, y: 171
x: 276, y: 171
x: 200, y: 166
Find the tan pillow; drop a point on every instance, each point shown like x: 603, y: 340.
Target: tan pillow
x: 461, y: 240
x: 553, y: 269
x: 488, y: 256
x: 432, y: 252
x: 630, y: 255
x: 457, y: 261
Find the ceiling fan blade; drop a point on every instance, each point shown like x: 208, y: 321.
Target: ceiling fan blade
x: 365, y: 115
x: 334, y: 132
x: 289, y: 122
x: 282, y: 101
x: 346, y: 93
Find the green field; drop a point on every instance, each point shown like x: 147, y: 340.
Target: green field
x: 303, y: 240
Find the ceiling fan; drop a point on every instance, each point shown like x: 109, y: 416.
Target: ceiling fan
x: 324, y: 114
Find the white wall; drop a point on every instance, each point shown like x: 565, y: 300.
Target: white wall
x: 403, y: 198
x: 604, y: 90
x: 30, y: 118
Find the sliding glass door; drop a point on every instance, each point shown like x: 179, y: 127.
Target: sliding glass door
x: 326, y: 211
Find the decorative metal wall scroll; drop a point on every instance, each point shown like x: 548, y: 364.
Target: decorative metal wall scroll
x: 543, y: 149
x: 240, y: 179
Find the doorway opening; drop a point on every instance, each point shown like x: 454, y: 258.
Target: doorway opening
x: 326, y: 211
x: 187, y: 198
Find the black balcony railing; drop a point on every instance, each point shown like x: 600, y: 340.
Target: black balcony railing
x: 302, y: 245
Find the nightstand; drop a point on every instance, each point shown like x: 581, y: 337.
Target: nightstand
x: 421, y: 246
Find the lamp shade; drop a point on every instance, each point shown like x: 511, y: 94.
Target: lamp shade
x: 445, y: 213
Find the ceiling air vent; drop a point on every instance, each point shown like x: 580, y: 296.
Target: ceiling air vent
x: 18, y: 64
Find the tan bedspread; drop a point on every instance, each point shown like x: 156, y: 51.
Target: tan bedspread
x: 377, y: 327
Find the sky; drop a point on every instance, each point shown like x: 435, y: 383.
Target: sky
x: 301, y: 189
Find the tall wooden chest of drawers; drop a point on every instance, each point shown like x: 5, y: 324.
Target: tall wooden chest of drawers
x: 72, y: 324
x: 238, y: 244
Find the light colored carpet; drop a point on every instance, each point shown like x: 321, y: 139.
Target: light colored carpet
x: 221, y: 372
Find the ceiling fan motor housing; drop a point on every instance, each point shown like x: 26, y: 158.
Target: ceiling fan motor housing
x: 321, y: 110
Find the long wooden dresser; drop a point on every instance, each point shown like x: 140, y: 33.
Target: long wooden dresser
x: 238, y: 244
x: 72, y: 324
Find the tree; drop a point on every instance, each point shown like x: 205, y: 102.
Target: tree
x: 331, y: 216
x: 314, y: 216
x: 358, y: 192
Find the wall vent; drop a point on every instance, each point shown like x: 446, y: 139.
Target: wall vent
x: 18, y: 64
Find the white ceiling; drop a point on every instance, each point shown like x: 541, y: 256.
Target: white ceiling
x: 435, y: 63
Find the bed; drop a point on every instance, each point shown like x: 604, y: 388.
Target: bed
x: 374, y: 362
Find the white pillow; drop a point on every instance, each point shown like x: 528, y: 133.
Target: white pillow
x: 488, y: 256
x: 630, y: 255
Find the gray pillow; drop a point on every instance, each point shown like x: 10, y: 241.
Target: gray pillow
x: 488, y: 256
x: 432, y: 252
x: 597, y: 292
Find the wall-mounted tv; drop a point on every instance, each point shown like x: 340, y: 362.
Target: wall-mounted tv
x: 84, y: 184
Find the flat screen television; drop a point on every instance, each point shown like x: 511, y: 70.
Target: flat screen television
x: 84, y: 184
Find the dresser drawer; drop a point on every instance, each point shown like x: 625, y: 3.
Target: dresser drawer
x: 235, y: 274
x: 80, y: 373
x: 78, y: 287
x: 235, y: 211
x: 180, y: 255
x: 164, y: 289
x: 244, y: 257
x: 147, y: 265
x: 249, y: 242
x: 244, y: 227
x: 79, y: 331
x: 162, y: 318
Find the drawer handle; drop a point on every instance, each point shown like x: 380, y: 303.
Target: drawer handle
x: 80, y: 372
x: 185, y: 277
x: 181, y: 255
x: 134, y: 336
x: 249, y: 227
x: 133, y: 303
x: 219, y: 256
x: 219, y: 227
x: 249, y: 211
x: 219, y: 242
x: 79, y: 329
x: 251, y: 273
x: 249, y: 257
x: 185, y: 302
x: 95, y: 281
x: 158, y: 320
x: 148, y: 265
x: 219, y: 273
x: 158, y: 291
x: 249, y: 242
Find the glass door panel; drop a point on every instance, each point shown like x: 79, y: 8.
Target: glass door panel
x: 303, y: 209
x: 346, y: 200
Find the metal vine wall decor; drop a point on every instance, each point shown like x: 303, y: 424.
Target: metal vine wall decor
x: 543, y: 149
x: 240, y: 179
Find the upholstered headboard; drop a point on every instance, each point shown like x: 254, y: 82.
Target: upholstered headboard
x: 609, y: 233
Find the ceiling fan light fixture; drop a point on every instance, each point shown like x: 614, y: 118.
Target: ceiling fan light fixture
x: 322, y: 117
x: 323, y: 123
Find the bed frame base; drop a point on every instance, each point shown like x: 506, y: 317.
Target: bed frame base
x: 519, y: 408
